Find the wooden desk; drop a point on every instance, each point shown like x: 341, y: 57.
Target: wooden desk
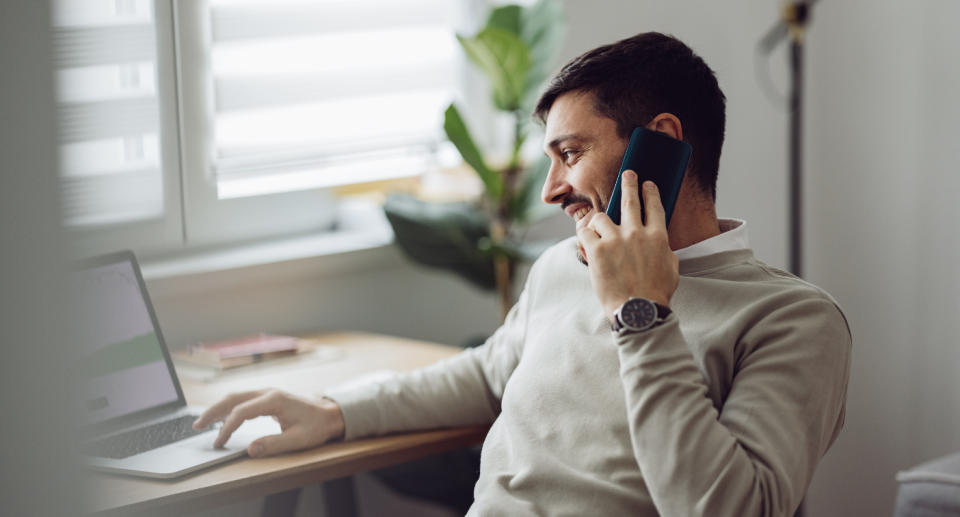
x: 246, y: 478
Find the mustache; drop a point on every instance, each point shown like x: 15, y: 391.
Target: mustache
x: 574, y: 199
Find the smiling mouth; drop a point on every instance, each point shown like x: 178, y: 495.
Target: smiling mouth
x: 579, y: 214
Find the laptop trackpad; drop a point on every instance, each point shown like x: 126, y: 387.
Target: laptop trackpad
x: 241, y: 438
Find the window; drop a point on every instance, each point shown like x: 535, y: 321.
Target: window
x: 118, y: 153
x: 207, y: 122
x: 283, y: 98
x: 107, y: 94
x: 316, y: 94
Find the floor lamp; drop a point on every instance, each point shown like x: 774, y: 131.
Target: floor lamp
x: 792, y: 26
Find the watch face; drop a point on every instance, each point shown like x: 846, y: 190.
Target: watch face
x: 638, y: 313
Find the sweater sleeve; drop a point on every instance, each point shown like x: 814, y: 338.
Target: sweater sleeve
x: 464, y: 389
x: 757, y: 455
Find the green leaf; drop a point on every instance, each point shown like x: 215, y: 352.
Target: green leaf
x: 527, y: 201
x: 531, y: 251
x: 516, y: 251
x: 507, y: 18
x: 505, y: 58
x: 457, y: 132
x: 543, y: 27
x: 443, y: 235
x: 493, y: 250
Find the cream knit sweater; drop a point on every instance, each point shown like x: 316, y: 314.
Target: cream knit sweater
x: 725, y: 409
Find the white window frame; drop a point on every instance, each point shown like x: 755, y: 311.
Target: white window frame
x: 209, y: 220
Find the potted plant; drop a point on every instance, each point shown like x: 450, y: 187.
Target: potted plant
x: 482, y: 241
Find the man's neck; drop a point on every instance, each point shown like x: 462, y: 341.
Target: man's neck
x: 690, y: 227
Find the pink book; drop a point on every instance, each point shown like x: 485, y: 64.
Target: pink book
x: 248, y: 345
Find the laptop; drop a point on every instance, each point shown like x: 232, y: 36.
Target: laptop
x: 130, y: 405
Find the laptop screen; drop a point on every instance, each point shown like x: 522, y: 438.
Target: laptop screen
x: 123, y: 368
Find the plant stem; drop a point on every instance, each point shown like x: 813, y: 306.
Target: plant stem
x: 502, y: 219
x: 518, y: 138
x: 502, y: 269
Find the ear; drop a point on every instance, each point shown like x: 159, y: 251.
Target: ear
x: 668, y: 124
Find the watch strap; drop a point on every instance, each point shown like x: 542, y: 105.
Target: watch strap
x: 662, y: 312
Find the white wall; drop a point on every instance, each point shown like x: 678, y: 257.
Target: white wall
x: 386, y: 294
x: 376, y: 290
x: 883, y: 129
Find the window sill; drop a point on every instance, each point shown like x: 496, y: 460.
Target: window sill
x: 362, y: 241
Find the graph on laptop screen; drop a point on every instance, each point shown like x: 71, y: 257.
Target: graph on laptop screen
x: 122, y: 367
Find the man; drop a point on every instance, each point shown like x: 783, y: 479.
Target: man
x: 722, y: 403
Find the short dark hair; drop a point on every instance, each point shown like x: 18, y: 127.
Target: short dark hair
x: 638, y: 78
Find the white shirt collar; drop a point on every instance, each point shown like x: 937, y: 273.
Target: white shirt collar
x: 733, y: 236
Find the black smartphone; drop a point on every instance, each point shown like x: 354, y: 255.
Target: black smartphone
x: 654, y: 157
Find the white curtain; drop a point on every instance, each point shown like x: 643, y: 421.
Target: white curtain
x: 106, y: 72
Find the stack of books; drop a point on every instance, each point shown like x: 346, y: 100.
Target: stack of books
x: 223, y: 355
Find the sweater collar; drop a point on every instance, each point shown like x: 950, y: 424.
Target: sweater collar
x: 705, y: 263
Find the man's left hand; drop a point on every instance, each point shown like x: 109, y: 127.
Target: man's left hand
x: 633, y: 259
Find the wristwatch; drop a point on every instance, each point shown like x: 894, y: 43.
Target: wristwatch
x: 638, y: 314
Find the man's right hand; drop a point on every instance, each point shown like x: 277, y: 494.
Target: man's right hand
x: 304, y: 423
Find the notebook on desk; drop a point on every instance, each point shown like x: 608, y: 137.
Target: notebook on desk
x: 130, y: 403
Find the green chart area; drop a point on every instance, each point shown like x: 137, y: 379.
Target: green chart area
x: 120, y: 356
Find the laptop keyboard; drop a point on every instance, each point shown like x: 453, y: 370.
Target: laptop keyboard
x: 147, y: 438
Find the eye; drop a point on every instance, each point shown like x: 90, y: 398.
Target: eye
x: 568, y: 154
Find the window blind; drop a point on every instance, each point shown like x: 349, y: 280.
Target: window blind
x: 311, y: 94
x: 105, y: 56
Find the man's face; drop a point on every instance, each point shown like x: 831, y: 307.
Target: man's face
x: 585, y: 154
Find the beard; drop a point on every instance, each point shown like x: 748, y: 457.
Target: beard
x: 574, y: 199
x: 602, y: 208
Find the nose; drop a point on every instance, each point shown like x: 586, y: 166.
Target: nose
x: 555, y: 188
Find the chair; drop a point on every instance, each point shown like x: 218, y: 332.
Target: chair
x: 931, y: 489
